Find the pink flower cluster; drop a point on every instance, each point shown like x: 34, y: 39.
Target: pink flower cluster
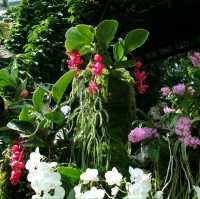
x: 140, y: 78
x: 184, y: 131
x: 96, y: 69
x: 16, y: 164
x: 139, y: 134
x: 98, y: 66
x: 165, y: 91
x: 179, y: 89
x: 195, y: 59
x: 74, y: 60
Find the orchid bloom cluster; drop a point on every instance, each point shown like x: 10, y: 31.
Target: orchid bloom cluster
x: 16, y: 164
x: 140, y: 78
x: 44, y: 180
x: 138, y: 187
x: 184, y: 131
x: 140, y: 134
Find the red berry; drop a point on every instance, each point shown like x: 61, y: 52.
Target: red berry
x: 98, y: 58
x: 24, y: 93
x: 138, y: 64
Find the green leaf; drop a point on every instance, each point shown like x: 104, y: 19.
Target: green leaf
x: 56, y: 116
x: 79, y: 36
x: 69, y: 174
x: 5, y: 79
x: 71, y: 194
x: 24, y: 114
x: 37, y: 99
x: 106, y: 31
x: 23, y: 127
x: 124, y: 64
x: 118, y: 51
x: 14, y: 71
x: 61, y: 85
x: 135, y: 39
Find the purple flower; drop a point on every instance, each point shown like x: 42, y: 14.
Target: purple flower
x: 191, y: 141
x: 165, y: 91
x: 179, y: 89
x: 167, y: 109
x: 140, y: 134
x: 195, y: 59
x: 183, y: 126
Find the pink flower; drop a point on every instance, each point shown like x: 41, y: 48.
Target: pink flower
x: 98, y: 58
x: 179, y: 89
x: 92, y: 88
x: 191, y: 141
x: 195, y: 59
x: 16, y: 164
x: 183, y: 126
x: 97, y: 68
x: 74, y: 60
x: 165, y: 91
x: 167, y: 109
x: 140, y: 134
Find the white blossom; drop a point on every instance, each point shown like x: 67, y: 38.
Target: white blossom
x: 113, y: 177
x: 94, y: 193
x: 114, y: 191
x: 65, y: 110
x: 135, y: 174
x: 90, y: 175
x: 43, y: 178
x: 197, y: 190
x: 158, y: 195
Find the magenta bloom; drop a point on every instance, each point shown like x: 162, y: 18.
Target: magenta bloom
x: 179, y: 89
x: 74, y: 60
x: 183, y: 126
x: 167, y: 109
x: 97, y: 68
x: 195, y: 59
x: 165, y: 91
x: 139, y: 134
x: 92, y: 88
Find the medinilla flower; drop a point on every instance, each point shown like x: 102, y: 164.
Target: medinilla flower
x: 113, y: 177
x: 92, y: 88
x: 90, y: 175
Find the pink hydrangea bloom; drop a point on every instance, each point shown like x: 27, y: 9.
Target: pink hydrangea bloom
x: 165, y: 91
x: 195, y: 59
x: 183, y: 126
x: 140, y: 134
x: 92, y: 88
x: 74, y: 60
x: 179, y: 89
x: 167, y: 109
x: 97, y: 68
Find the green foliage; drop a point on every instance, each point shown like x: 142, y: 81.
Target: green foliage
x: 61, y: 85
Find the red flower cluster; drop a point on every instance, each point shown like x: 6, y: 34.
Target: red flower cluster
x: 140, y: 78
x: 16, y: 163
x: 98, y: 66
x: 74, y: 60
x: 96, y: 69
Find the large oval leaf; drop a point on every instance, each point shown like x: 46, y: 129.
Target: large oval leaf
x: 69, y: 174
x: 106, y: 31
x: 118, y: 51
x: 79, y: 36
x: 23, y: 127
x: 135, y: 39
x: 56, y: 116
x: 37, y: 99
x: 61, y: 85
